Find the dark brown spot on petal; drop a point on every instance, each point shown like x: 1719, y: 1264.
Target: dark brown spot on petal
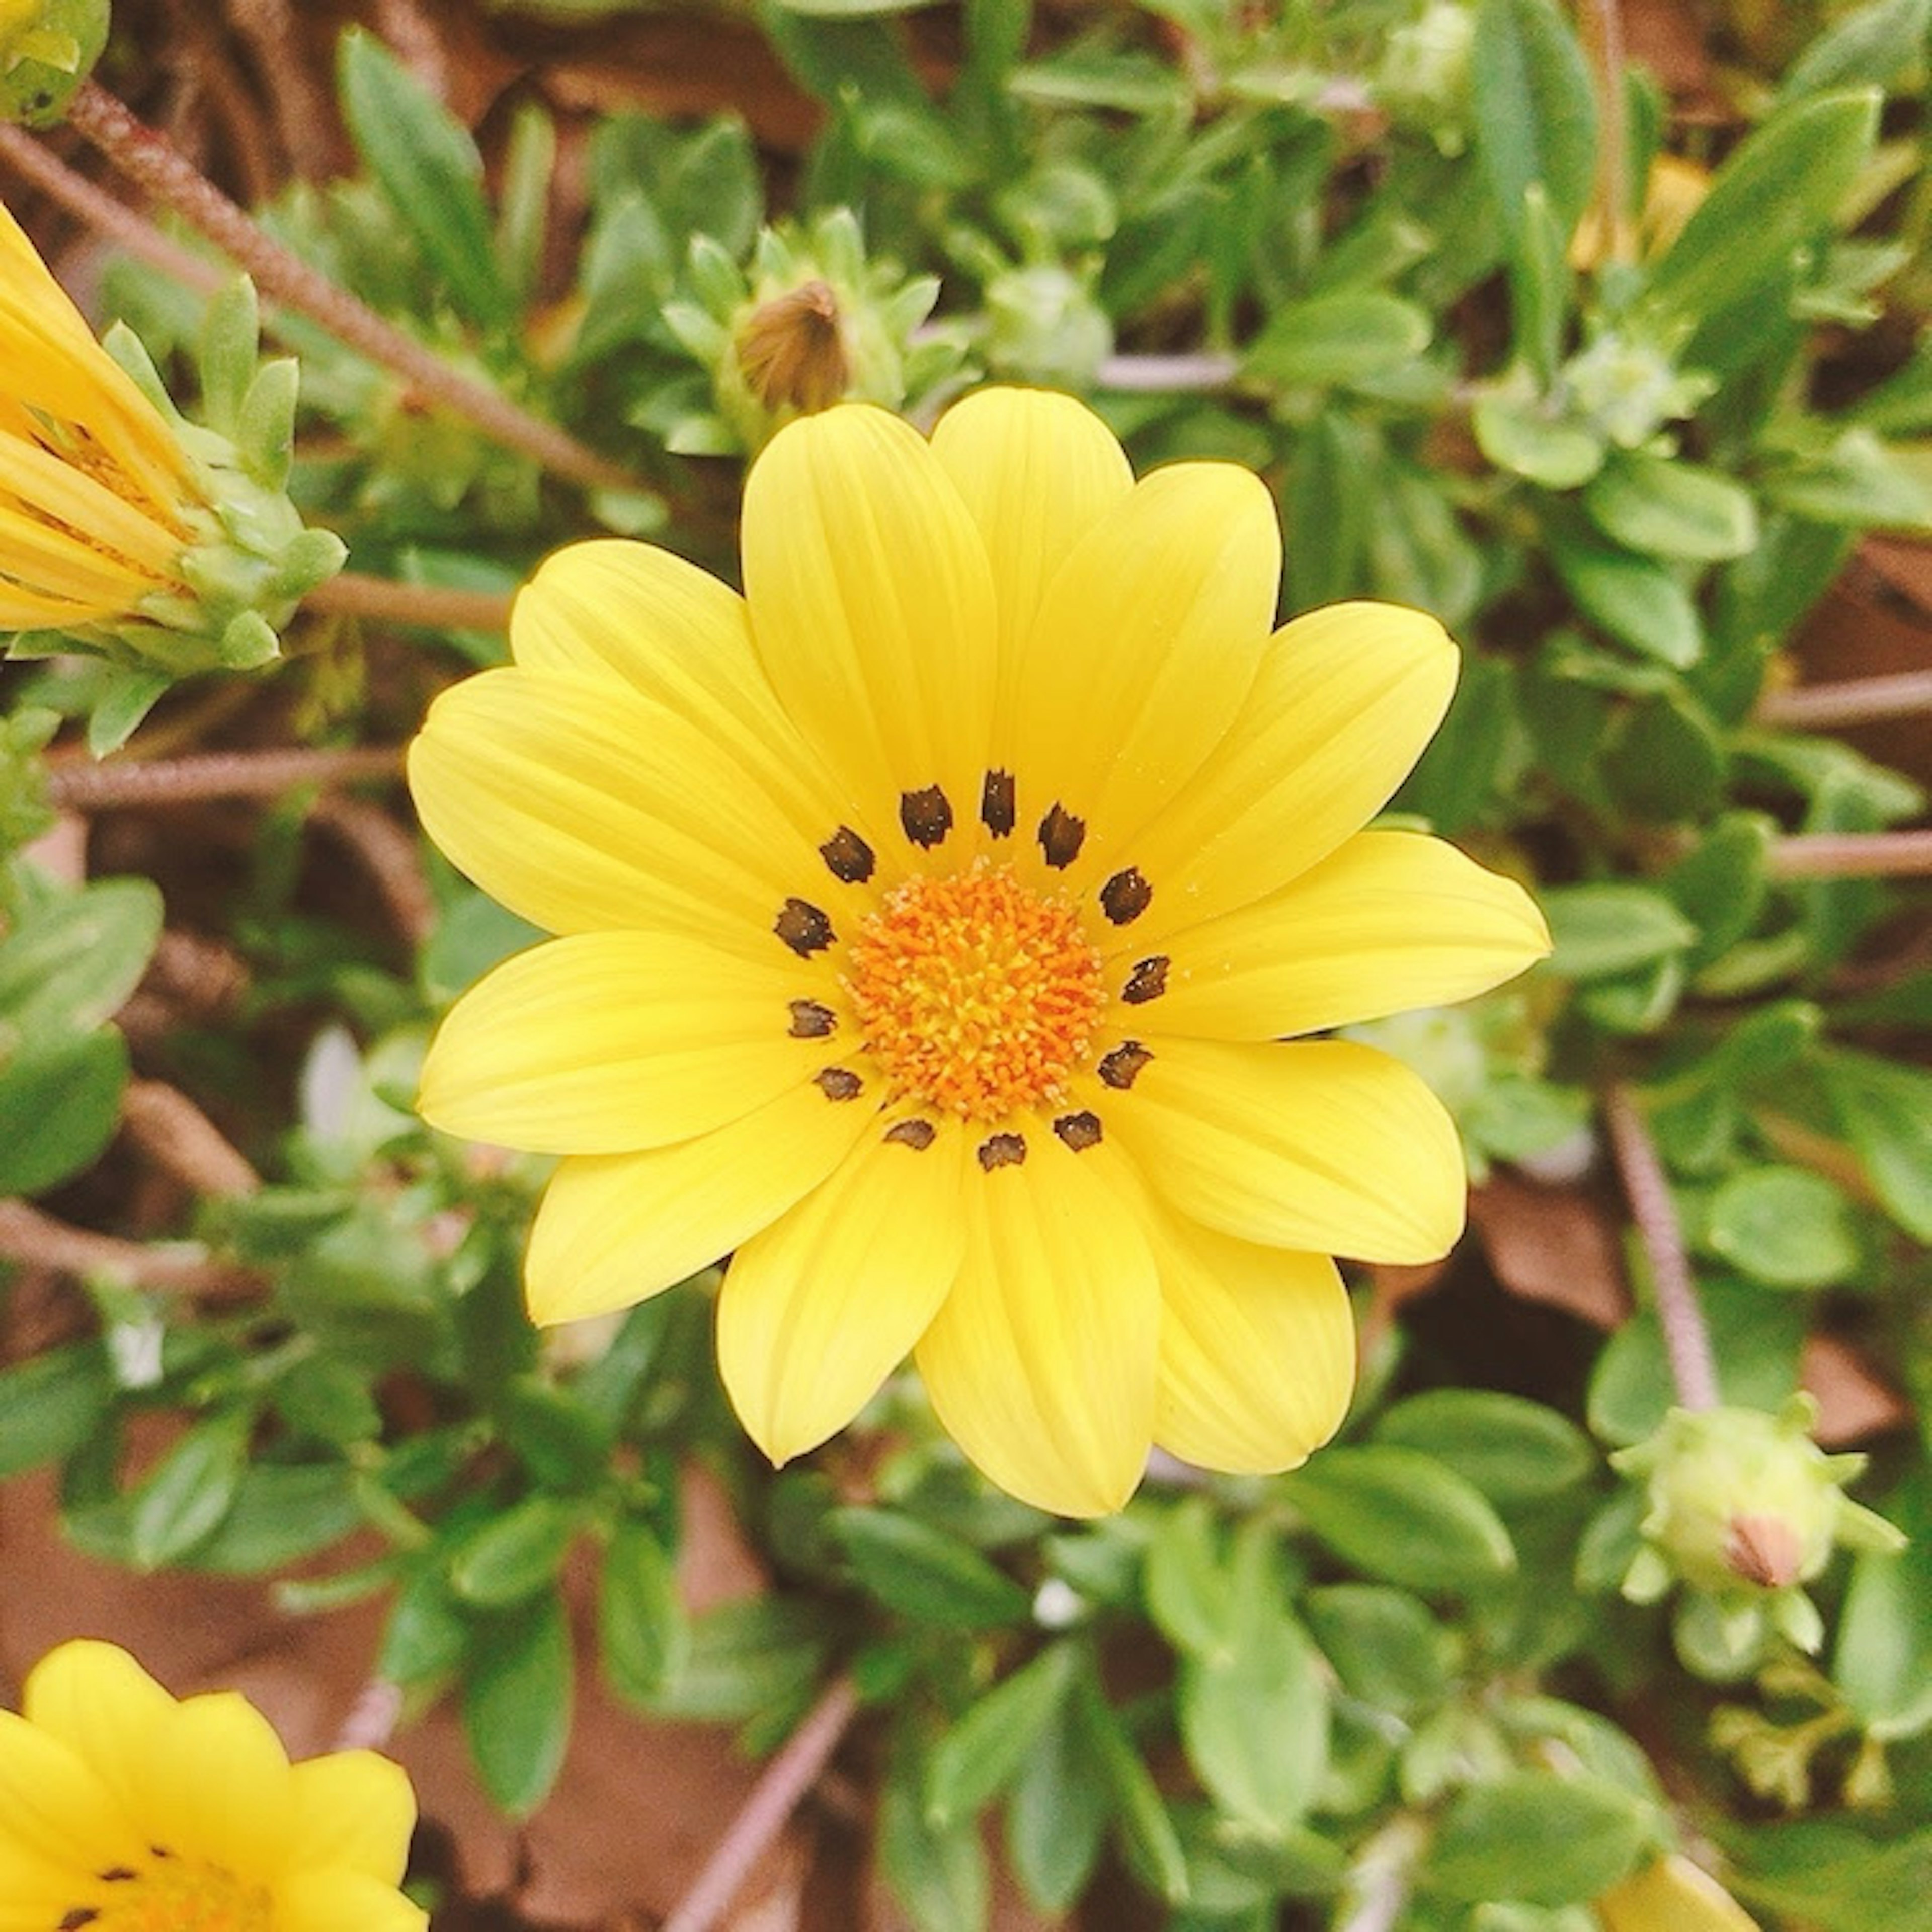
x: 847, y: 857
x: 918, y: 1135
x: 997, y: 806
x: 1125, y: 896
x: 81, y: 1915
x: 1119, y: 1068
x: 1061, y: 835
x: 811, y: 1020
x: 1079, y: 1131
x: 926, y: 815
x: 838, y: 1083
x: 1002, y: 1150
x: 1147, y: 981
x: 117, y: 1874
x: 803, y: 928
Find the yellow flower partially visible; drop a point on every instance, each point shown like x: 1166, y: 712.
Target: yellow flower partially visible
x: 938, y: 920
x: 94, y: 489
x: 122, y: 1809
x: 1671, y: 1895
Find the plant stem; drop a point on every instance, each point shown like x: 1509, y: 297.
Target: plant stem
x: 1686, y: 1340
x: 1613, y: 146
x: 1853, y: 700
x: 786, y: 1780
x: 152, y: 163
x: 1159, y: 374
x: 1851, y: 855
x: 182, y: 1140
x: 192, y: 781
x: 35, y: 1239
x: 351, y: 594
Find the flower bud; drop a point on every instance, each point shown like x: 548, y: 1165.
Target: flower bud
x: 47, y: 49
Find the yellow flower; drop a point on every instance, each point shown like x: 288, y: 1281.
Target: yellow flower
x: 1671, y: 1895
x: 94, y: 489
x: 123, y: 1810
x: 932, y: 918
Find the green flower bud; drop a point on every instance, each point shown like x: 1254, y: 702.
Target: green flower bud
x: 1626, y: 389
x: 47, y: 49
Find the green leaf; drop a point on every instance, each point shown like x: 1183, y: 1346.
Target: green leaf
x: 1385, y: 1646
x: 1873, y: 43
x: 51, y: 1404
x: 1400, y: 1516
x: 426, y: 1635
x: 1533, y: 112
x: 1827, y: 1877
x: 756, y: 1657
x: 936, y: 1873
x: 428, y: 168
x: 1857, y: 481
x: 189, y: 1491
x: 1882, y: 1660
x: 1600, y: 931
x: 1786, y: 1226
x: 1326, y: 507
x: 1526, y: 439
x: 1665, y: 762
x: 1057, y: 1814
x: 1637, y: 600
x: 643, y: 1632
x: 1512, y: 1450
x: 281, y: 1512
x: 924, y: 1573
x: 982, y: 1753
x: 1663, y: 506
x: 517, y: 1696
x: 1531, y: 1836
x: 514, y: 1554
x: 1339, y: 339
x: 1886, y: 1111
x: 1783, y: 181
x: 59, y: 1104
x: 1186, y: 1593
x: 71, y: 962
x: 1146, y: 1829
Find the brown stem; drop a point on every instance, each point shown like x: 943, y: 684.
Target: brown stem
x: 388, y: 854
x: 180, y: 1138
x: 1852, y: 700
x: 303, y: 110
x: 149, y: 159
x: 351, y: 594
x: 1613, y: 148
x: 37, y: 1240
x: 785, y: 1780
x: 1851, y: 855
x: 213, y: 775
x: 114, y: 219
x: 1686, y: 1340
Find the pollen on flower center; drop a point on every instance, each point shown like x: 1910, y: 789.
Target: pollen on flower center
x: 975, y: 993
x: 178, y: 1895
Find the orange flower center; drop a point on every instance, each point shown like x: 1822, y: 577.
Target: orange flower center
x: 175, y: 1894
x: 976, y: 994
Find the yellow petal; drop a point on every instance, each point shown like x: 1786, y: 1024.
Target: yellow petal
x: 1037, y: 471
x: 217, y: 1787
x: 614, y: 1229
x: 817, y: 1311
x: 1320, y: 1145
x: 1257, y: 1350
x: 1145, y: 648
x: 335, y: 1901
x: 674, y: 634
x: 55, y: 1810
x: 69, y: 495
x: 1392, y: 920
x: 581, y: 807
x: 608, y: 1042
x: 353, y: 1811
x: 872, y: 605
x: 1346, y: 698
x: 95, y: 1698
x: 1042, y: 1363
x: 1673, y: 1895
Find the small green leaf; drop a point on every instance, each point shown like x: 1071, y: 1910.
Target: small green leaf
x: 1665, y: 507
x: 51, y: 1403
x: 1886, y: 1111
x: 1186, y: 1593
x: 982, y: 1753
x: 189, y: 1491
x: 1513, y: 1449
x: 1530, y: 1836
x: 1782, y: 182
x: 1526, y: 439
x: 924, y: 1573
x: 1386, y: 1647
x: 1533, y: 112
x: 1057, y: 1817
x: 1637, y: 600
x: 282, y: 1512
x: 936, y: 1873
x: 1872, y: 44
x: 1402, y: 1516
x: 642, y: 1629
x: 1339, y: 339
x: 514, y: 1554
x: 1786, y: 1226
x: 71, y: 962
x: 1600, y: 931
x: 1145, y: 1828
x: 517, y: 1698
x: 59, y: 1104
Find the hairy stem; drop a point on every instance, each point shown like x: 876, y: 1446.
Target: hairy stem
x: 192, y: 781
x: 1686, y: 1340
x: 153, y: 163
x: 1853, y: 700
x: 351, y: 594
x: 38, y: 1240
x: 1852, y: 855
x: 786, y: 1780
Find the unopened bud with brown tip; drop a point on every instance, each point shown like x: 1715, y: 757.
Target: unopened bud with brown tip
x: 791, y: 350
x: 1765, y: 1551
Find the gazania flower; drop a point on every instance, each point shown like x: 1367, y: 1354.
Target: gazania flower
x: 123, y: 1810
x: 94, y: 489
x: 933, y: 919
